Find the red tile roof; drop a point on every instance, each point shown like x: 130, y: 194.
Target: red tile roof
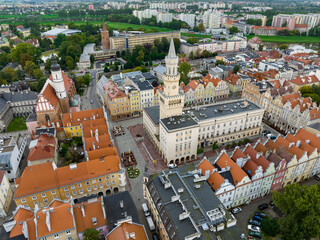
x: 312, y: 79
x: 44, y: 149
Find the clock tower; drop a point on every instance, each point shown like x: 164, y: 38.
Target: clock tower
x: 170, y: 100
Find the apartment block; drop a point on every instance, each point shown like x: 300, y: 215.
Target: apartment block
x: 6, y: 194
x: 129, y: 41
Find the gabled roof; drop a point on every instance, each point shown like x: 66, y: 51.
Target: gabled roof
x: 215, y: 179
x: 309, y: 138
x: 20, y: 216
x: 305, y: 80
x: 61, y: 219
x: 76, y: 118
x: 259, y: 160
x: 85, y: 212
x: 121, y: 231
x: 237, y: 173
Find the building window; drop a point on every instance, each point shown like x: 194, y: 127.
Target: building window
x: 68, y: 232
x: 43, y: 195
x: 56, y: 235
x: 100, y: 185
x: 79, y: 185
x: 107, y: 178
x: 112, y: 176
x: 74, y: 192
x: 67, y: 194
x: 100, y: 180
x: 45, y: 200
x: 108, y: 183
x: 73, y: 187
x: 94, y: 181
x: 88, y: 183
x: 23, y: 200
x: 81, y: 191
x: 89, y: 189
x: 66, y: 189
x: 34, y: 197
x: 113, y: 182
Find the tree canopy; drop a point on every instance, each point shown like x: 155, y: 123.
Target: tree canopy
x: 301, y: 208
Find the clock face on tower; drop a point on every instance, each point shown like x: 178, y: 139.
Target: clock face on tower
x: 173, y: 87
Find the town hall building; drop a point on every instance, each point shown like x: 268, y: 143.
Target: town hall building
x: 177, y: 133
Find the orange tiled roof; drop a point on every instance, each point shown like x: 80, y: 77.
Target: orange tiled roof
x: 261, y: 160
x: 210, y: 78
x: 101, y: 153
x: 233, y: 79
x: 21, y: 215
x: 60, y: 220
x: 97, y: 142
x: 43, y: 177
x: 301, y: 145
x: 121, y: 231
x: 255, y: 40
x: 238, y: 154
x: 305, y: 80
x: 44, y: 149
x: 292, y: 149
x: 301, y: 26
x: 290, y: 97
x: 237, y: 173
x: 184, y: 87
x: 193, y: 84
x: 261, y: 148
x: 250, y: 167
x: 314, y: 113
x: 113, y: 91
x: 91, y: 210
x: 312, y: 139
x: 76, y: 118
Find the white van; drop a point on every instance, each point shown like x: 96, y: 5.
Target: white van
x: 145, y: 209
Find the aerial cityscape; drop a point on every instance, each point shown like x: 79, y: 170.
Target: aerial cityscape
x: 149, y: 120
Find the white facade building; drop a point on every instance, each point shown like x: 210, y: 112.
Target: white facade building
x: 164, y: 17
x: 6, y: 194
x: 212, y: 19
x: 188, y: 18
x: 11, y: 155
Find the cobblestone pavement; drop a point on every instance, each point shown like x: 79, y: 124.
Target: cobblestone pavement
x: 124, y: 143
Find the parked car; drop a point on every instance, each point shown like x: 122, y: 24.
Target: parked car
x: 253, y: 228
x: 255, y: 234
x: 265, y: 132
x: 236, y: 210
x: 155, y: 236
x: 271, y: 203
x: 263, y: 206
x: 172, y: 165
x: 254, y: 222
x: 91, y: 101
x: 272, y: 137
x: 260, y: 214
x: 318, y: 177
x: 257, y: 218
x: 145, y: 209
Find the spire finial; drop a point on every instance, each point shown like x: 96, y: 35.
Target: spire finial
x: 172, y: 50
x: 104, y: 28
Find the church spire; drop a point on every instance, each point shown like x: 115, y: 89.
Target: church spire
x: 104, y: 28
x: 172, y: 50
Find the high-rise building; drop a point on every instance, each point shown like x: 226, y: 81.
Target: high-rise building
x: 105, y: 43
x: 284, y: 20
x: 164, y: 17
x: 188, y: 18
x: 212, y: 19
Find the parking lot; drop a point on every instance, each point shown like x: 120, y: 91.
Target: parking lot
x: 272, y: 211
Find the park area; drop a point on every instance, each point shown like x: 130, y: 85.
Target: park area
x: 17, y: 124
x: 287, y: 39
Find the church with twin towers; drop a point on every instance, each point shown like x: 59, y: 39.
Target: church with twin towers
x: 177, y: 133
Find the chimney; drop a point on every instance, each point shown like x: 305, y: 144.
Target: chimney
x: 121, y: 204
x: 97, y: 135
x: 48, y: 220
x: 298, y: 143
x: 132, y: 235
x: 82, y: 210
x: 91, y: 132
x: 94, y: 146
x: 308, y: 141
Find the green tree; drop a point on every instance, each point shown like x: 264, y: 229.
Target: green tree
x: 269, y: 22
x: 260, y: 47
x: 283, y: 47
x: 69, y: 63
x: 29, y: 68
x: 40, y: 84
x: 270, y: 226
x: 4, y: 59
x: 236, y: 68
x: 301, y: 208
x: 47, y: 65
x: 60, y: 39
x: 177, y: 43
x: 201, y: 27
x: 184, y: 69
x: 21, y: 48
x: 7, y: 75
x: 106, y: 69
x: 233, y: 30
x: 192, y: 40
x: 91, y: 234
x: 37, y: 73
x: 220, y: 62
x: 191, y: 55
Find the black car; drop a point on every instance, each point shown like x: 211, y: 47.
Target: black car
x: 263, y: 206
x: 317, y: 177
x: 254, y: 222
x: 155, y: 236
x: 260, y: 214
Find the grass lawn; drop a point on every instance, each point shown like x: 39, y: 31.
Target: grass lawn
x: 195, y: 35
x: 287, y: 39
x: 133, y: 172
x: 17, y: 124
